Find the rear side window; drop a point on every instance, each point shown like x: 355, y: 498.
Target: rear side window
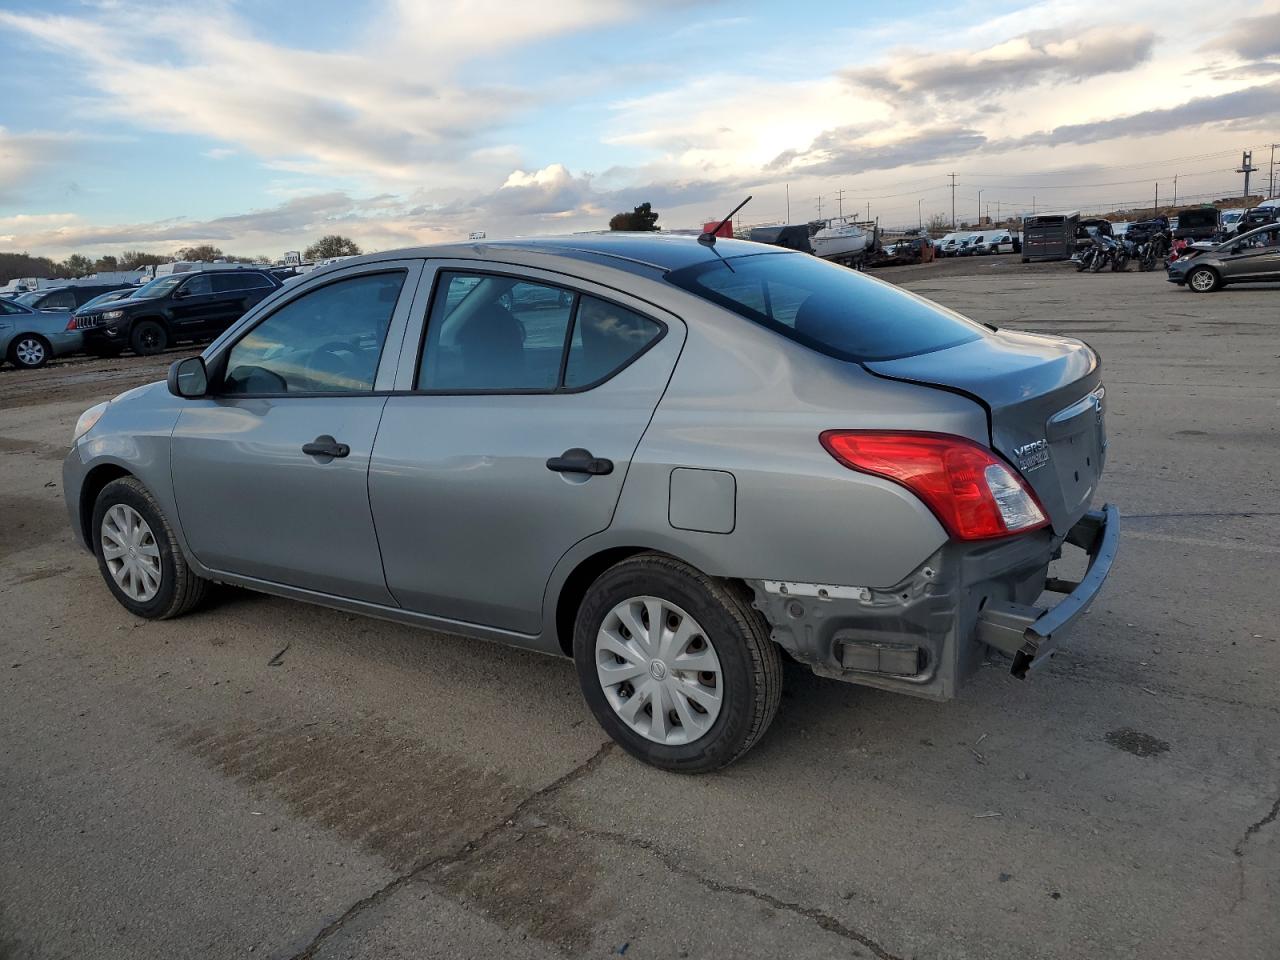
x: 198, y: 286
x: 59, y: 300
x: 828, y: 308
x: 489, y: 333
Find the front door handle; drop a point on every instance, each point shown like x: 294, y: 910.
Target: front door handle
x: 325, y: 446
x: 578, y: 460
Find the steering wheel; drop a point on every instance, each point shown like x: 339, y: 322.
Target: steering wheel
x: 336, y: 358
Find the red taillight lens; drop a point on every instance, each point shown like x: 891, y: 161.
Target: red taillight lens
x: 972, y: 492
x: 71, y: 324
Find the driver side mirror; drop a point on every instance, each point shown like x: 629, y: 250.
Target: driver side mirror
x: 188, y: 378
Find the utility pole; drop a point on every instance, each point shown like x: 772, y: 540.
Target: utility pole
x: 819, y: 206
x: 1175, y: 190
x: 1155, y: 211
x: 920, y: 213
x: 998, y: 217
x: 1246, y: 167
x: 979, y: 209
x: 868, y: 210
x: 953, y: 200
x: 840, y: 203
x: 1271, y: 183
x: 1033, y: 204
x: 788, y: 203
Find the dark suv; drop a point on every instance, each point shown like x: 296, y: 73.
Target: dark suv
x: 182, y: 306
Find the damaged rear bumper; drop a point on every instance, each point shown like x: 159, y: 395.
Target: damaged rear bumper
x: 926, y: 635
x: 1030, y: 634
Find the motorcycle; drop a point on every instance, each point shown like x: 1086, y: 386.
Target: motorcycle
x: 1122, y: 254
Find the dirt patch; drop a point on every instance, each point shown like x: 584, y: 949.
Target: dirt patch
x: 45, y: 574
x: 535, y: 877
x: 392, y: 795
x: 43, y: 451
x: 29, y: 522
x: 85, y: 379
x: 1135, y: 742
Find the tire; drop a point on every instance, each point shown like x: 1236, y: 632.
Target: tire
x: 29, y: 351
x: 724, y: 631
x: 148, y: 338
x: 177, y: 590
x: 1208, y: 280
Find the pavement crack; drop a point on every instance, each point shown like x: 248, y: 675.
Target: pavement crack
x: 1257, y: 825
x: 823, y: 919
x: 457, y: 856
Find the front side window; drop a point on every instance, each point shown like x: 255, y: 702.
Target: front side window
x: 198, y: 286
x: 328, y: 340
x: 828, y: 308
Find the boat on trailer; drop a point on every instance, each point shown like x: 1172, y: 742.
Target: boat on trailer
x: 846, y: 241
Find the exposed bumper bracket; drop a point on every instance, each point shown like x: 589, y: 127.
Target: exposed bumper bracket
x: 1028, y: 634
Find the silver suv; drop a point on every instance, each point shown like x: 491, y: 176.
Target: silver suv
x: 672, y: 460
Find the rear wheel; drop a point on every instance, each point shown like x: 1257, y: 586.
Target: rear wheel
x: 29, y: 351
x: 138, y: 554
x: 676, y: 666
x: 148, y: 337
x: 1202, y: 280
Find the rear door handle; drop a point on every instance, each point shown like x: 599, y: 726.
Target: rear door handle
x: 578, y: 460
x: 325, y: 446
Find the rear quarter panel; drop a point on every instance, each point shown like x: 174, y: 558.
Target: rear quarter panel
x: 750, y: 402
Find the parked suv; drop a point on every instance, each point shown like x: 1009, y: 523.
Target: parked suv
x: 182, y: 306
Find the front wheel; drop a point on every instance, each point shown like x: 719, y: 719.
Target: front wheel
x: 676, y: 666
x: 1202, y: 280
x: 148, y: 338
x: 138, y: 554
x: 29, y: 351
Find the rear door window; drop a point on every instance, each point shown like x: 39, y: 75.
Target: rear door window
x: 828, y: 308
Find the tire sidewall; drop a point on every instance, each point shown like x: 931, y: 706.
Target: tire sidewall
x: 120, y: 491
x: 723, y: 741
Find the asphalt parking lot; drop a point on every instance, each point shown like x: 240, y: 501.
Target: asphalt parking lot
x: 269, y: 779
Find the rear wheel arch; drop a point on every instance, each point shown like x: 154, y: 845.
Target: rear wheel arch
x: 574, y: 589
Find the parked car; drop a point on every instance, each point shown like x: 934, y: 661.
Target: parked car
x: 111, y: 296
x: 1245, y: 258
x: 949, y: 245
x: 672, y: 479
x: 196, y: 305
x: 1231, y: 220
x: 68, y: 298
x: 1198, y: 223
x: 30, y: 338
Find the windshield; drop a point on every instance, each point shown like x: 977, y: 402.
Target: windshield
x: 828, y: 308
x: 29, y: 299
x: 160, y: 286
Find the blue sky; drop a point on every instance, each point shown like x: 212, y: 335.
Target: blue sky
x: 259, y: 126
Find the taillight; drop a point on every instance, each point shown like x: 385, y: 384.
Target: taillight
x: 71, y: 323
x: 973, y: 493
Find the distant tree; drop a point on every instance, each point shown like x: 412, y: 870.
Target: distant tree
x: 15, y: 265
x: 106, y: 264
x: 77, y: 265
x: 204, y: 251
x: 937, y: 224
x: 133, y: 259
x: 332, y: 246
x: 642, y: 218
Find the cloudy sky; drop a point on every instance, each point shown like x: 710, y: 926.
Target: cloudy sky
x: 259, y: 126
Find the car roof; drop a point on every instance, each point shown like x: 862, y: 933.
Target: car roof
x: 624, y: 250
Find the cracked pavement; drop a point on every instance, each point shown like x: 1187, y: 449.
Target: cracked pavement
x: 384, y: 792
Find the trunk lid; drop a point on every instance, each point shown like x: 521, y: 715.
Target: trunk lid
x: 1044, y: 405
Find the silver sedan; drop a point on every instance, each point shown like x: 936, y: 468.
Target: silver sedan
x: 31, y: 338
x: 673, y: 460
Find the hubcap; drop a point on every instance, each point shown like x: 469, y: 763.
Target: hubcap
x: 30, y: 352
x: 1202, y: 280
x: 131, y: 552
x: 659, y: 671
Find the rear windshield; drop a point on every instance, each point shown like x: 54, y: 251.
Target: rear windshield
x: 832, y: 309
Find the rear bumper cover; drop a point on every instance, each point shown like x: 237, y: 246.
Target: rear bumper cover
x: 1031, y: 634
x: 927, y: 634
